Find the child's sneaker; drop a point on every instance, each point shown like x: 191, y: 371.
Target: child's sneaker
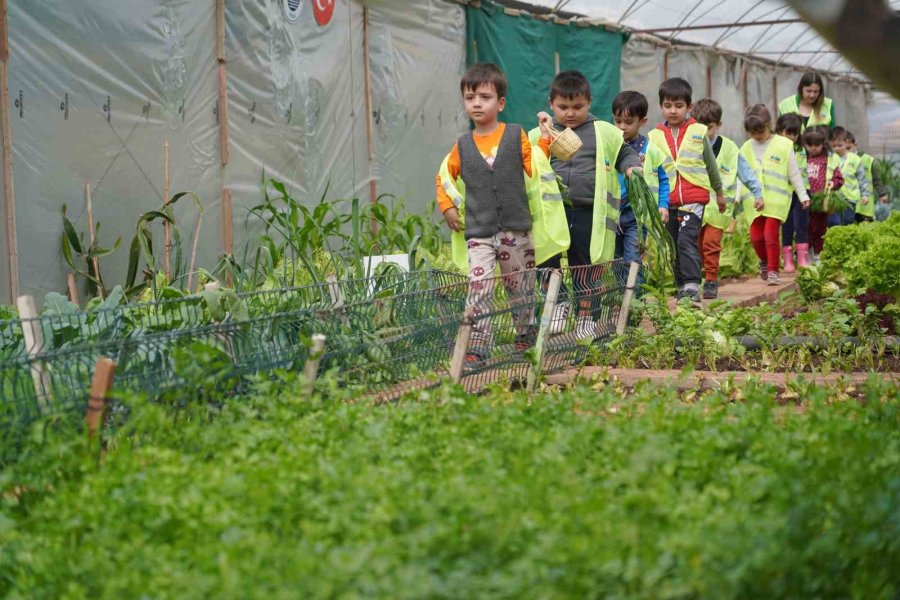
x: 693, y: 296
x: 560, y: 318
x: 585, y: 328
x: 711, y: 290
x: 773, y: 279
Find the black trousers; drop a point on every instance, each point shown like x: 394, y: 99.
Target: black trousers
x: 684, y: 227
x: 797, y: 224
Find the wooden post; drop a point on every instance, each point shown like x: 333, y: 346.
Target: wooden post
x: 744, y: 84
x: 633, y: 271
x: 222, y: 108
x: 337, y: 298
x: 550, y: 303
x: 708, y: 79
x: 9, y: 196
x: 34, y: 345
x: 463, y: 334
x: 227, y: 224
x: 311, y: 368
x: 73, y: 288
x: 370, y: 126
x: 666, y: 64
x: 165, y: 203
x: 88, y: 199
x: 98, y: 399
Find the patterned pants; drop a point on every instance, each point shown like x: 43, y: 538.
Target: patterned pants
x: 514, y: 251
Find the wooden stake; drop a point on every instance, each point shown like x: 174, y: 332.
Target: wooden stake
x: 88, y: 199
x: 98, y: 400
x: 461, y: 347
x: 550, y: 303
x: 73, y: 288
x: 337, y: 298
x: 166, y: 197
x: 190, y: 281
x: 311, y: 368
x: 34, y: 345
x: 9, y: 196
x: 222, y: 107
x: 227, y: 222
x: 630, y: 284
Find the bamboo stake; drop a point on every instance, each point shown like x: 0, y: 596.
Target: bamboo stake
x: 311, y: 368
x: 73, y: 289
x: 550, y: 302
x: 463, y: 335
x: 88, y: 199
x: 222, y: 107
x: 34, y: 344
x: 165, y: 202
x: 98, y: 400
x: 633, y: 271
x: 370, y: 126
x: 190, y: 281
x: 12, y: 246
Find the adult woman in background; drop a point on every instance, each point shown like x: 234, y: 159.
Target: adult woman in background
x: 810, y: 102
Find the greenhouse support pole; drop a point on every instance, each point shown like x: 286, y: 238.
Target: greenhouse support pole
x: 34, y: 345
x: 463, y: 334
x: 12, y: 246
x: 534, y: 373
x: 633, y: 270
x: 311, y: 368
x: 222, y: 114
x: 98, y: 398
x: 370, y: 135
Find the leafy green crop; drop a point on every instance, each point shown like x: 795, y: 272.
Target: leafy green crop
x: 586, y: 493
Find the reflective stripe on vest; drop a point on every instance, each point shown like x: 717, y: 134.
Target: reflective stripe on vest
x: 689, y: 162
x: 803, y: 163
x: 653, y: 160
x: 822, y: 117
x: 728, y: 171
x: 868, y: 209
x: 773, y: 177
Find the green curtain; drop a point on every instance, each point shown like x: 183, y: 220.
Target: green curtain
x: 524, y: 48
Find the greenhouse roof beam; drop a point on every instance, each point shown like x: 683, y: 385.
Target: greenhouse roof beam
x: 718, y: 26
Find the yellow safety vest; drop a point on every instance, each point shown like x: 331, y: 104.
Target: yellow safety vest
x: 823, y: 117
x: 867, y: 210
x: 728, y: 171
x: 834, y: 161
x: 689, y: 163
x: 607, y: 190
x: 773, y: 177
x: 549, y: 230
x: 803, y: 163
x: 849, y: 167
x: 653, y: 160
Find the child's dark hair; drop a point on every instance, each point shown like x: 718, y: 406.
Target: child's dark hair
x: 815, y: 136
x: 851, y: 138
x: 707, y: 112
x: 789, y: 123
x: 631, y: 104
x: 838, y: 134
x: 757, y: 119
x: 812, y: 78
x: 569, y: 84
x: 675, y: 89
x: 483, y: 73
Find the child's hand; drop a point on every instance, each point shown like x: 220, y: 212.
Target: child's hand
x: 664, y: 214
x: 545, y: 122
x: 759, y: 204
x: 631, y: 170
x: 720, y: 200
x: 451, y: 215
x: 864, y: 201
x: 805, y: 204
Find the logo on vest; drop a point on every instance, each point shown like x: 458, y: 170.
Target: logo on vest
x: 775, y: 158
x: 291, y: 9
x: 696, y: 138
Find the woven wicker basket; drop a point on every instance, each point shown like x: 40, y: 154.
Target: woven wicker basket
x: 565, y: 144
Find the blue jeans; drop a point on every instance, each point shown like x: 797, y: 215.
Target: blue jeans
x: 628, y: 240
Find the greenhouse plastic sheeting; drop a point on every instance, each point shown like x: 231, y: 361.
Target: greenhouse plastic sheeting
x: 642, y: 71
x: 95, y: 89
x: 296, y: 102
x: 525, y: 48
x: 417, y: 55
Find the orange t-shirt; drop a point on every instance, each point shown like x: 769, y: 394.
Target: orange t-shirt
x: 488, y: 146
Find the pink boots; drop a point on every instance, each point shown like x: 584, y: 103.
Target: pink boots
x: 788, y: 253
x: 802, y: 255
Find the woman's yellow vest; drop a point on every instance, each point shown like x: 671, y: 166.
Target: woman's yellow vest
x: 607, y: 190
x: 823, y: 117
x: 689, y: 163
x: 773, y: 177
x: 549, y: 230
x: 867, y: 210
x: 728, y: 171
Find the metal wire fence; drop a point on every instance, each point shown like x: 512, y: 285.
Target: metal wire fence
x: 385, y: 335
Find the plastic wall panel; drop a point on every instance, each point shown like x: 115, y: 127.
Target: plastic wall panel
x: 96, y: 88
x: 726, y: 90
x: 691, y: 66
x: 296, y: 102
x: 850, y: 109
x: 642, y: 71
x: 417, y: 54
x: 760, y: 88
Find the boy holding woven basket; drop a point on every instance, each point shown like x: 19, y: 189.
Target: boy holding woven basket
x: 500, y: 210
x: 693, y: 174
x: 589, y: 175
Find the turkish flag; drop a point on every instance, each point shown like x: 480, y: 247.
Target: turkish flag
x: 323, y: 10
